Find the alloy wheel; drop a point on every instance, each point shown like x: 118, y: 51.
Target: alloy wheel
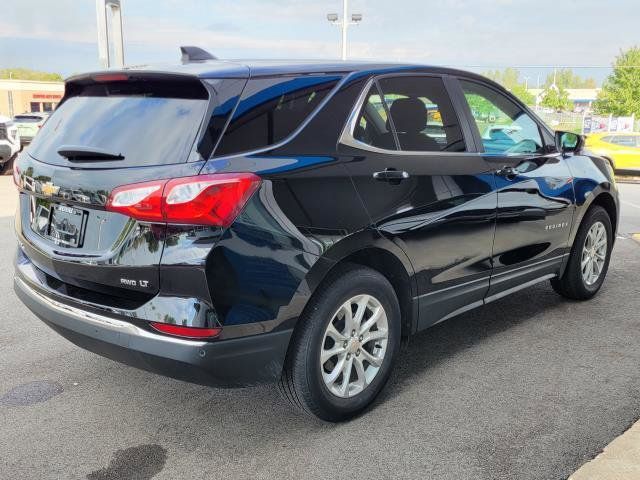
x: 594, y: 253
x: 354, y: 345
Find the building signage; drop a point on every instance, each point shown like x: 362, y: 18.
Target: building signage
x: 595, y: 124
x: 46, y: 95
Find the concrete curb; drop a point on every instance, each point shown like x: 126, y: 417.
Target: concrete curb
x: 620, y: 460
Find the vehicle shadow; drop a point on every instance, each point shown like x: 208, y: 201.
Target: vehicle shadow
x: 439, y: 343
x: 260, y: 413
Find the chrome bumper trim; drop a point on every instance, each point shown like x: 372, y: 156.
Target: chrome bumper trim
x: 100, y: 321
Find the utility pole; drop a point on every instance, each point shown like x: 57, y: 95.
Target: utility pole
x: 345, y: 6
x: 344, y: 25
x: 107, y: 36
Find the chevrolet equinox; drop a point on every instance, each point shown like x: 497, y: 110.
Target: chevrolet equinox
x: 231, y: 223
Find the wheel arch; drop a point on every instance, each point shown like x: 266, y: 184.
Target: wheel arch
x: 370, y: 249
x: 611, y: 161
x: 589, y: 193
x: 606, y: 201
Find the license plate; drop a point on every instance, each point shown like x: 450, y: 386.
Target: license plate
x: 66, y: 226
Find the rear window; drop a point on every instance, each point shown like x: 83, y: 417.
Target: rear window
x: 148, y: 122
x: 27, y: 118
x: 271, y: 109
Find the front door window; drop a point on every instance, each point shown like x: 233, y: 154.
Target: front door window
x: 505, y: 128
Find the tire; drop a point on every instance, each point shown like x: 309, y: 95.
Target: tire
x: 573, y: 283
x: 7, y: 168
x: 304, y: 378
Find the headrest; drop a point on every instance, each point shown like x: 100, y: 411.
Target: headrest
x: 409, y: 115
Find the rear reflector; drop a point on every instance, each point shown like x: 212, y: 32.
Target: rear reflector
x: 186, y: 332
x: 215, y: 199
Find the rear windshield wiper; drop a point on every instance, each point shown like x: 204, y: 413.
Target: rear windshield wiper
x: 80, y: 152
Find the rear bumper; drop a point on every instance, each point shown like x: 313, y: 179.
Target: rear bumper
x: 226, y: 363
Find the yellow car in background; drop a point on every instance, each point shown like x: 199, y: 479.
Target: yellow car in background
x: 621, y: 149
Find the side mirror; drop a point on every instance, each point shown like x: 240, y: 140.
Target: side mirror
x: 569, y: 142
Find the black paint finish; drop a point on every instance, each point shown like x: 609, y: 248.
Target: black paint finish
x: 450, y: 236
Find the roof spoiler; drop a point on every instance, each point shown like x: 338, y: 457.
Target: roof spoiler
x: 195, y: 54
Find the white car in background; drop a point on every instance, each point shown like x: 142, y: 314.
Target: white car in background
x: 9, y: 140
x: 29, y: 124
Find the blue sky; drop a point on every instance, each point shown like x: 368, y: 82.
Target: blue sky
x: 60, y: 35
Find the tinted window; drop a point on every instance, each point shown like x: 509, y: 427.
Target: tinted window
x: 35, y: 106
x: 623, y: 140
x: 418, y: 108
x: 505, y: 128
x: 271, y: 109
x: 138, y: 121
x: 27, y: 118
x: 373, y: 127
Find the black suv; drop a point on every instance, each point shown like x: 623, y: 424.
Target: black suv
x: 233, y: 223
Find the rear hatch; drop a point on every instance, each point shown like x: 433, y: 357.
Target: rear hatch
x: 28, y: 125
x: 110, y: 130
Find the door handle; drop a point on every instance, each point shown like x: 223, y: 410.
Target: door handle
x: 507, y: 172
x: 391, y: 175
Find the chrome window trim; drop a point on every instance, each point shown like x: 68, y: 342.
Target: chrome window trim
x: 347, y: 138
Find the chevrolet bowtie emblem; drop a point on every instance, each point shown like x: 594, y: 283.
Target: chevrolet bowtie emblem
x: 49, y: 189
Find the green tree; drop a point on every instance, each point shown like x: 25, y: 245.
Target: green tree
x: 565, y: 78
x: 556, y: 98
x: 523, y: 94
x: 27, y: 74
x: 509, y: 78
x: 620, y: 94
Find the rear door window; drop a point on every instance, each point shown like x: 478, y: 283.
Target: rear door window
x: 148, y: 123
x: 271, y: 109
x: 373, y: 127
x: 422, y: 114
x: 420, y: 111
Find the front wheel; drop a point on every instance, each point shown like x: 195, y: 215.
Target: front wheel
x: 589, y: 258
x: 343, y: 351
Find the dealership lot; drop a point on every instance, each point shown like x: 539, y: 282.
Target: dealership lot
x: 530, y: 387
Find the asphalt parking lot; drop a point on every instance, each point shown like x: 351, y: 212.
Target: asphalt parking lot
x: 527, y: 388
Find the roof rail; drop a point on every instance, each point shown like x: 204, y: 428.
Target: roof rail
x: 195, y: 54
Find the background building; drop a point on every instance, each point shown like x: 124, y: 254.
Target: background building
x: 20, y: 96
x: 582, y: 98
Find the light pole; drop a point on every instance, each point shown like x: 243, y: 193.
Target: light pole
x: 344, y: 24
x: 103, y: 9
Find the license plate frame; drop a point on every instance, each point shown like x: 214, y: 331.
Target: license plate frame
x: 66, y: 225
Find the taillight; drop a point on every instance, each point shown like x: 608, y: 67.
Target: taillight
x: 214, y: 199
x: 17, y: 178
x: 142, y: 201
x: 186, y: 332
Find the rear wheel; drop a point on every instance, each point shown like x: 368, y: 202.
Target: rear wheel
x: 589, y: 259
x: 342, y: 354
